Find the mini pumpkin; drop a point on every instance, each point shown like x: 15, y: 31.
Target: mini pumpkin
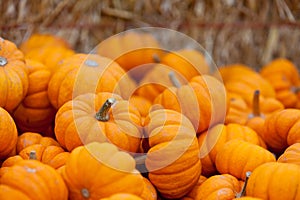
x: 99, y: 170
x: 291, y: 154
x: 172, y: 160
x: 142, y: 104
x: 102, y: 117
x: 13, y: 75
x: 213, y: 140
x: 83, y: 73
x: 35, y: 113
x: 275, y: 181
x: 45, y: 182
x: 149, y: 192
x: 8, y: 135
x: 194, y: 192
x: 238, y: 157
x: 122, y: 196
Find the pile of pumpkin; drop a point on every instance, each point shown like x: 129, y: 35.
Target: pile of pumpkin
x: 82, y: 126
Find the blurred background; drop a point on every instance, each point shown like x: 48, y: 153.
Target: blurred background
x: 251, y: 32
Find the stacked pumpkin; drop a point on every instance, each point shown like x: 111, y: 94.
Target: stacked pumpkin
x: 139, y: 122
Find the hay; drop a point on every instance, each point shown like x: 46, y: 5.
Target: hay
x: 247, y: 31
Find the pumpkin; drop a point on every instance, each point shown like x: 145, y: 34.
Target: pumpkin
x: 198, y: 100
x: 242, y: 81
x: 213, y: 140
x: 149, y: 191
x: 99, y: 170
x: 281, y: 178
x: 13, y: 75
x: 194, y: 192
x: 104, y: 75
x: 247, y: 198
x: 172, y: 160
x: 122, y: 196
x: 281, y: 130
x: 142, y: 104
x: 252, y: 115
x: 45, y: 182
x: 223, y: 186
x: 102, y: 117
x: 291, y: 154
x: 283, y: 75
x: 35, y: 113
x: 8, y: 135
x: 238, y: 157
x: 132, y: 49
x: 30, y: 138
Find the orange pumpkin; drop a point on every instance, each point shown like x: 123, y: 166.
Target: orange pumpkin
x: 275, y: 181
x: 238, y: 157
x: 45, y: 182
x: 194, y: 192
x: 35, y: 113
x: 8, y: 135
x: 284, y: 77
x: 29, y: 138
x: 83, y: 73
x: 122, y: 196
x: 213, y: 140
x: 149, y: 191
x: 281, y: 130
x: 13, y: 75
x: 291, y: 154
x: 132, y: 49
x: 142, y: 104
x: 198, y: 100
x: 106, y: 171
x: 172, y: 160
x: 241, y: 80
x: 89, y: 117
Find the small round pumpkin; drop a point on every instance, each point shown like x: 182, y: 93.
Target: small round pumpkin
x: 8, y: 134
x: 275, y: 181
x: 291, y: 154
x: 213, y: 140
x: 35, y: 113
x: 99, y: 170
x: 102, y: 117
x: 45, y: 182
x: 194, y: 192
x: 104, y: 75
x: 172, y: 160
x: 238, y: 157
x: 13, y: 75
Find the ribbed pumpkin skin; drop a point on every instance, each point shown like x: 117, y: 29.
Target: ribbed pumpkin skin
x: 123, y: 196
x: 99, y: 170
x: 238, y: 157
x: 13, y: 75
x: 275, y: 181
x: 35, y: 113
x: 194, y: 192
x: 8, y: 134
x: 213, y: 140
x: 291, y: 154
x: 172, y: 160
x: 223, y: 186
x: 9, y: 193
x: 45, y: 182
x: 75, y: 123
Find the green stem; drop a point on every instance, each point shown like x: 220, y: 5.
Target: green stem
x: 243, y: 191
x: 174, y: 80
x: 102, y: 114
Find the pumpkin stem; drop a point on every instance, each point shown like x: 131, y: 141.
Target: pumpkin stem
x: 85, y: 193
x: 295, y: 89
x: 156, y: 58
x: 102, y: 114
x: 243, y: 191
x: 255, y: 106
x: 174, y: 80
x: 32, y: 155
x: 140, y: 160
x: 3, y: 61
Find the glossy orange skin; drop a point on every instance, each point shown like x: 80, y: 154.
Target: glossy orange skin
x: 291, y: 154
x: 104, y: 75
x: 213, y: 140
x: 123, y: 196
x: 142, y: 104
x: 172, y: 170
x: 8, y: 135
x: 35, y: 113
x: 194, y: 192
x: 45, y: 182
x: 283, y: 76
x: 101, y: 170
x: 13, y: 76
x: 149, y: 191
x: 75, y: 123
x: 238, y: 157
x: 276, y: 177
